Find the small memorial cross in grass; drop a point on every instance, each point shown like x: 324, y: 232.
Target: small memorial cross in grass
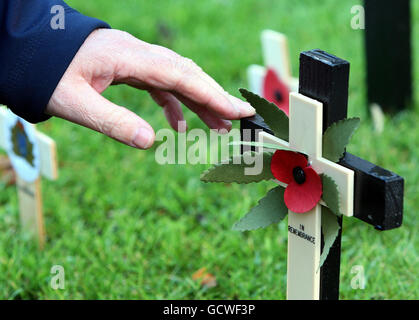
x: 32, y: 154
x: 318, y: 181
x: 274, y: 81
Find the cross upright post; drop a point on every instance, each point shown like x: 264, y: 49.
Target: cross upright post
x: 333, y: 94
x: 305, y: 230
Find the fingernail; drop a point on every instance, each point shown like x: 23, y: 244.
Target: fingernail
x: 227, y: 125
x: 245, y: 108
x: 143, y: 139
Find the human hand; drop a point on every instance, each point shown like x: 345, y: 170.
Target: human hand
x: 113, y: 57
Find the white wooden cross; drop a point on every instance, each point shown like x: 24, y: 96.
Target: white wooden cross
x: 369, y: 193
x: 305, y: 135
x: 28, y: 176
x: 275, y: 56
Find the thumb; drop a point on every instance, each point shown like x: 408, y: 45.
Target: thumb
x: 93, y: 111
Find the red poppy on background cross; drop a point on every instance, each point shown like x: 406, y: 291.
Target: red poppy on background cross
x: 273, y: 82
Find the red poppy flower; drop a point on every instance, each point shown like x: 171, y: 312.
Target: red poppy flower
x: 304, y: 188
x: 276, y: 91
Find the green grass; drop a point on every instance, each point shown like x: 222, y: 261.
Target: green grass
x: 123, y: 226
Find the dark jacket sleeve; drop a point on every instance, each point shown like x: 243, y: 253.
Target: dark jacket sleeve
x: 34, y: 53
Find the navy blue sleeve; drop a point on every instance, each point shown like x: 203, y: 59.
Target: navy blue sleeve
x: 34, y: 55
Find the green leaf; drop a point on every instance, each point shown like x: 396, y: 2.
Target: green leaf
x: 337, y: 136
x: 331, y: 194
x: 330, y: 230
x: 274, y: 117
x: 234, y: 169
x: 270, y: 209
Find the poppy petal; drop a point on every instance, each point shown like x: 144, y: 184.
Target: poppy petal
x: 276, y: 91
x: 284, y: 161
x: 300, y: 198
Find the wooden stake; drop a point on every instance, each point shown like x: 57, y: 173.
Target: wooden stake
x: 304, y: 230
x: 315, y: 66
x: 30, y: 209
x: 29, y: 192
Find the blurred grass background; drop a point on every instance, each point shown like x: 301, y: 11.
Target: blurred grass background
x: 123, y: 226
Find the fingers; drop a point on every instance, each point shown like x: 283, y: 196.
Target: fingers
x: 93, y: 111
x: 193, y: 84
x: 171, y: 107
x: 212, y: 121
x: 161, y: 68
x: 173, y: 111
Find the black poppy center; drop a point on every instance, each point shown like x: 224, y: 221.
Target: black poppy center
x: 278, y: 95
x: 299, y: 175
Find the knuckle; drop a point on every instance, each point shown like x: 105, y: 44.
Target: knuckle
x: 124, y: 37
x: 184, y: 73
x: 113, y: 124
x: 188, y: 65
x: 182, y: 64
x: 91, y: 121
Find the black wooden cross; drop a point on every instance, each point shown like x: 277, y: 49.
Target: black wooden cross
x: 378, y: 194
x: 387, y: 38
